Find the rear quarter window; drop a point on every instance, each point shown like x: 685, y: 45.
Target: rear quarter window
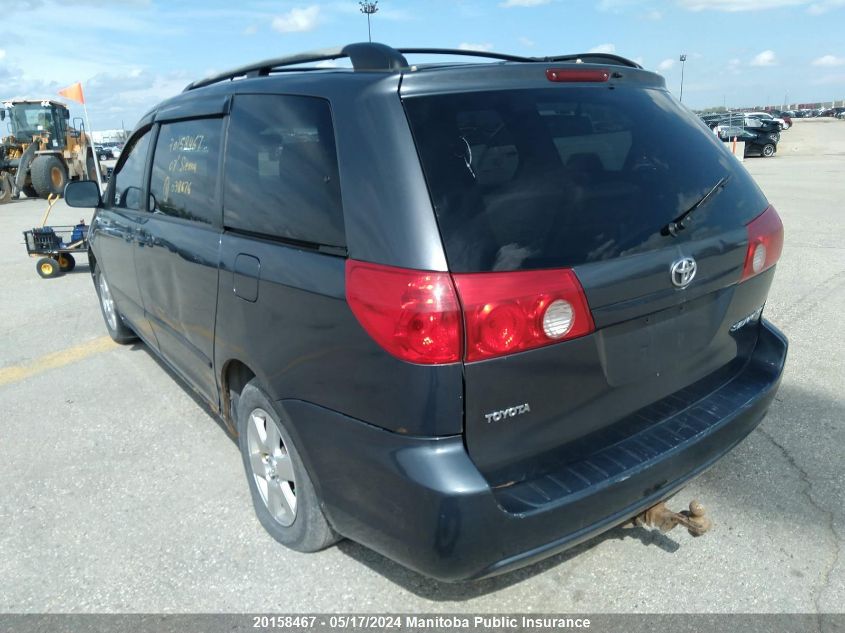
x: 281, y: 170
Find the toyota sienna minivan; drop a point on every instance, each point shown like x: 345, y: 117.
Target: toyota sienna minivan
x: 467, y: 314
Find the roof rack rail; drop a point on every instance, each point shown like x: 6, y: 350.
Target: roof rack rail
x: 375, y: 56
x: 364, y: 56
x: 460, y: 51
x: 591, y: 58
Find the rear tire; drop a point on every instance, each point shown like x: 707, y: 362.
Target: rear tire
x: 283, y: 495
x: 118, y: 330
x: 768, y: 150
x: 49, y: 175
x: 66, y: 262
x: 48, y: 268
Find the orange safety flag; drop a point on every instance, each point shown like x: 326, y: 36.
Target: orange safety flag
x: 73, y: 92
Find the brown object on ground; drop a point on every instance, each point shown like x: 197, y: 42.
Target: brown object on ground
x: 660, y: 517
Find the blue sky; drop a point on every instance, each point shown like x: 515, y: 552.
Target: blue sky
x: 130, y: 54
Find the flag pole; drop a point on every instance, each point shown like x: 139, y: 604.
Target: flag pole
x: 93, y: 151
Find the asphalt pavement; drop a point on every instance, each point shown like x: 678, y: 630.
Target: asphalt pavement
x: 120, y: 493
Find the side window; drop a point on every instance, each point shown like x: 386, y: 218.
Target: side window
x: 129, y: 179
x: 184, y: 178
x: 281, y: 169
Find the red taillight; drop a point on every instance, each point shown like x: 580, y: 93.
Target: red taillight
x: 515, y: 311
x: 765, y: 243
x: 412, y: 314
x: 577, y: 74
x: 416, y: 316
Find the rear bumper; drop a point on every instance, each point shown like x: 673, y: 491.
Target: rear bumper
x: 423, y: 503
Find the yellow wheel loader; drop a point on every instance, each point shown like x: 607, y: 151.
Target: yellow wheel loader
x: 42, y: 152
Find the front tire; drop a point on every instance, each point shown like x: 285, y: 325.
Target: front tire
x: 768, y: 150
x: 118, y: 330
x: 283, y: 495
x: 6, y: 187
x: 48, y: 267
x: 91, y: 168
x: 49, y: 175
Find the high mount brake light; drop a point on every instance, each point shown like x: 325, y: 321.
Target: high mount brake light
x: 765, y: 243
x: 577, y: 74
x: 417, y: 315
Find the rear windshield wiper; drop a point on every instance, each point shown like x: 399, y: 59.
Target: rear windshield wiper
x: 678, y: 223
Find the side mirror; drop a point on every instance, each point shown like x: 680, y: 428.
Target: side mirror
x: 82, y: 193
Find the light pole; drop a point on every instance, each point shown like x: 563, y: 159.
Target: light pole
x: 683, y: 60
x: 368, y: 8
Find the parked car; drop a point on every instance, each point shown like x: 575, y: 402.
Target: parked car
x: 757, y: 143
x: 766, y: 117
x: 470, y: 334
x: 751, y: 124
x: 103, y: 153
x: 783, y: 115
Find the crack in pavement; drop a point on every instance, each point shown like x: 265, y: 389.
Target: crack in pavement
x: 808, y: 487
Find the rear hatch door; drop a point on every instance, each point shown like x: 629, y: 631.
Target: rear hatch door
x: 538, y: 176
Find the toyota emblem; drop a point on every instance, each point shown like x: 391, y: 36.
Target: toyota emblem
x: 683, y: 272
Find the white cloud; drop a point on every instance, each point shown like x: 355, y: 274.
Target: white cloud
x: 616, y: 6
x: 737, y: 5
x: 829, y: 60
x: 250, y: 30
x: 666, y: 64
x: 817, y: 8
x: 813, y: 7
x: 469, y: 46
x: 766, y: 58
x: 522, y: 3
x: 603, y: 48
x: 527, y: 42
x: 297, y: 20
x: 2, y: 53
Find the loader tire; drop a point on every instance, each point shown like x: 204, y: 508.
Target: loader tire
x: 5, y: 187
x: 49, y: 175
x: 90, y: 168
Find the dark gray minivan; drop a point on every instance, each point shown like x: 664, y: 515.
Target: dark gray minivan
x: 466, y: 314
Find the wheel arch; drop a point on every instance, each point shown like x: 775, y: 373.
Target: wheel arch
x: 92, y: 262
x: 233, y: 378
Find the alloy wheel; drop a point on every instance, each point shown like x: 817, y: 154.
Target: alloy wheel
x: 272, y: 468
